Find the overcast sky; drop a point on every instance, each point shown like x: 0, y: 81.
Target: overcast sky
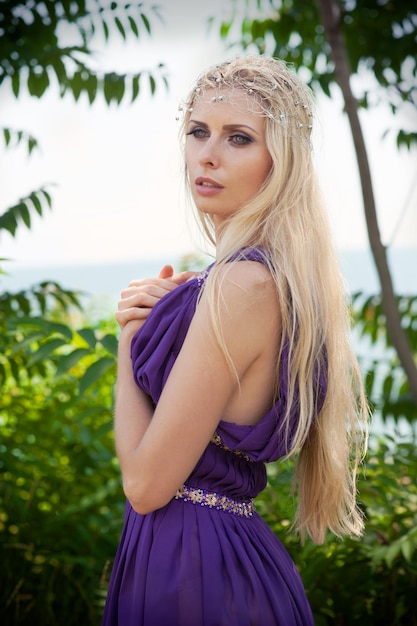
x: 118, y: 170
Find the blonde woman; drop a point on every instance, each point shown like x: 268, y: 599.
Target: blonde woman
x: 235, y: 367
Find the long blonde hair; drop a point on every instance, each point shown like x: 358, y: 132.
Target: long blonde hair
x: 287, y: 220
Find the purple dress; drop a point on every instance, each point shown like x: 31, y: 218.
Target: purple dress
x: 206, y: 558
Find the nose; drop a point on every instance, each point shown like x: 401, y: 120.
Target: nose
x: 209, y: 154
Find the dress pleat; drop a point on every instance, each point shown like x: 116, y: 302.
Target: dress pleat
x: 205, y: 559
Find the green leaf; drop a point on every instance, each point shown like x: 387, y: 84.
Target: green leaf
x: 39, y: 323
x: 114, y: 87
x: 95, y: 372
x: 105, y: 30
x: 60, y: 70
x: 19, y: 136
x: 16, y: 84
x: 135, y: 87
x: 47, y: 196
x: 120, y: 27
x: 408, y: 549
x: 92, y: 86
x: 32, y: 143
x: 38, y: 82
x: 387, y: 385
x: 146, y: 22
x: 110, y: 343
x: 77, y: 85
x: 392, y: 552
x: 25, y: 215
x: 34, y: 197
x: 10, y: 219
x: 133, y: 26
x: 369, y: 382
x: 25, y: 343
x: 224, y: 29
x: 46, y: 350
x: 41, y: 299
x: 68, y: 361
x: 406, y: 139
x: 89, y: 336
x: 7, y: 135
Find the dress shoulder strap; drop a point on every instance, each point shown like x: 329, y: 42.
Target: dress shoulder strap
x: 251, y: 254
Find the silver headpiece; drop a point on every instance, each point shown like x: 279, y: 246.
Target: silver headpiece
x: 273, y: 91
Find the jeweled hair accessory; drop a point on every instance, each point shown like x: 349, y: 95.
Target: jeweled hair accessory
x: 274, y: 91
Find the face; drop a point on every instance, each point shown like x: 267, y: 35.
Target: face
x: 226, y: 154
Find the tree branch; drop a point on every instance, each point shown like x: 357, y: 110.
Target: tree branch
x: 331, y: 20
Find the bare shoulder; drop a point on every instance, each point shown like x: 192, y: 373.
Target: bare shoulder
x: 246, y: 298
x: 247, y: 278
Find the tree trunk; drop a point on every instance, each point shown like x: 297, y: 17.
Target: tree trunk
x: 331, y: 20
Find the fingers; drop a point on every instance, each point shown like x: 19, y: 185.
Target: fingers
x: 166, y: 272
x: 139, y: 298
x: 133, y: 315
x: 182, y: 277
x: 144, y: 294
x: 141, y: 295
x: 166, y: 284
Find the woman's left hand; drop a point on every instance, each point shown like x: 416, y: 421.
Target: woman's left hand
x: 139, y: 298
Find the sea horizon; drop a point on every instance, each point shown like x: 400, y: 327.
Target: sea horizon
x: 107, y: 279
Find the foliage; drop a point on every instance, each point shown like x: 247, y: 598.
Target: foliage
x: 60, y: 496
x: 370, y: 581
x: 60, y: 493
x: 51, y: 44
x: 380, y: 37
x: 16, y: 137
x: 43, y: 42
x: 21, y: 213
x: 386, y: 384
x: 61, y: 502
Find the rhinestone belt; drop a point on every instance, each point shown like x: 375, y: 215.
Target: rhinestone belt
x: 203, y: 497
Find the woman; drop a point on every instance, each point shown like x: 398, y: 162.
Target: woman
x: 237, y: 366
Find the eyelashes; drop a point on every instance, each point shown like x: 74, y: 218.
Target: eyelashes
x: 198, y: 133
x: 241, y: 139
x: 236, y: 138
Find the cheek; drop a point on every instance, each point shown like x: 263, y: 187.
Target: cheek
x: 257, y: 176
x: 265, y: 170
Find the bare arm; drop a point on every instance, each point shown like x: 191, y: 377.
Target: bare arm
x: 136, y: 303
x: 158, y: 450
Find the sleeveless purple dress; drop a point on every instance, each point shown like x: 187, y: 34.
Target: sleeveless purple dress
x: 206, y: 558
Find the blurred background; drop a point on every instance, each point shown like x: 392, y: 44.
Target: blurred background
x: 116, y: 171
x: 91, y: 196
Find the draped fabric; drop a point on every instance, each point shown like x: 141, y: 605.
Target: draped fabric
x: 200, y: 561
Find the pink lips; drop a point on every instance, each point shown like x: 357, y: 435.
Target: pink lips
x: 207, y: 186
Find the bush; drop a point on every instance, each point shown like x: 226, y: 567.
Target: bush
x: 369, y: 581
x: 60, y: 494
x: 61, y: 502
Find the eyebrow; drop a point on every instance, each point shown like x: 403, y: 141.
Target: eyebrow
x: 227, y: 126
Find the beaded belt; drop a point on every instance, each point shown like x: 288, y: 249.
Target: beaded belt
x: 217, y: 501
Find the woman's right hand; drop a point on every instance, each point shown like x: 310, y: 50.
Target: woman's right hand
x: 139, y: 298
